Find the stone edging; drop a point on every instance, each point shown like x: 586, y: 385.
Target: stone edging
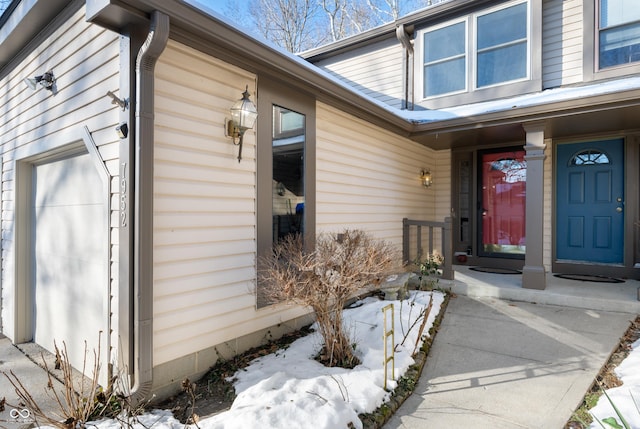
x: 407, y: 383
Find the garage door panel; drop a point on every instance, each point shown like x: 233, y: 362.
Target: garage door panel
x: 82, y: 235
x: 69, y: 239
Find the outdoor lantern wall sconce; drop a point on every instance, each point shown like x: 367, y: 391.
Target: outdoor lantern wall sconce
x: 47, y: 81
x: 243, y: 116
x: 427, y: 179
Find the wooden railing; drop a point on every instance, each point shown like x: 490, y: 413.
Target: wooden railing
x: 418, y: 233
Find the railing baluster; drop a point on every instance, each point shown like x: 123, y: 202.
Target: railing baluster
x: 446, y: 240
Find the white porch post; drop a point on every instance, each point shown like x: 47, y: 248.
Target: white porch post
x: 533, y: 273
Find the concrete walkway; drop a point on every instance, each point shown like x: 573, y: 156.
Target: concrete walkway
x: 499, y: 364
x: 15, y: 415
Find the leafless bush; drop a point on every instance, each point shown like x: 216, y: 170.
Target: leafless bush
x: 75, y: 403
x: 78, y: 402
x: 340, y: 266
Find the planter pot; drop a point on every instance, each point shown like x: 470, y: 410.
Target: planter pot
x: 395, y: 286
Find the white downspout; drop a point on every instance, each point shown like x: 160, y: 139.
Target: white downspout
x: 143, y: 214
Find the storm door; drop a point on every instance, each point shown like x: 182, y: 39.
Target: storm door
x: 590, y: 202
x: 503, y: 178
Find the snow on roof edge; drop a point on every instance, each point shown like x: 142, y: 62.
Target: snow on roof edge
x: 429, y: 116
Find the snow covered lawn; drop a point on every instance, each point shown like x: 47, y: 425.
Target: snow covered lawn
x: 626, y: 397
x: 289, y: 388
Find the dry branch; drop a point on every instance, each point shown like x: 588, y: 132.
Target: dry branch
x: 341, y: 266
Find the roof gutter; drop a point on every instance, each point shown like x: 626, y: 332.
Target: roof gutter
x: 143, y: 212
x: 541, y: 111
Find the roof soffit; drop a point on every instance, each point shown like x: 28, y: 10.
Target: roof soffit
x: 27, y: 19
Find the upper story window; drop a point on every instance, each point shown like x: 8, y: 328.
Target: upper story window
x: 502, y: 45
x: 445, y: 58
x: 484, y: 49
x: 618, y: 32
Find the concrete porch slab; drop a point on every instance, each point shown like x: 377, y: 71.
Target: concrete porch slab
x: 616, y: 297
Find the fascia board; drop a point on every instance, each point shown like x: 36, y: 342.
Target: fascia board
x: 23, y: 23
x: 533, y: 113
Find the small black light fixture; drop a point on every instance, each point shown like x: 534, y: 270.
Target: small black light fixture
x: 243, y: 116
x: 122, y: 130
x: 427, y: 179
x: 46, y: 80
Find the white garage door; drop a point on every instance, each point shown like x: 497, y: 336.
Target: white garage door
x: 69, y: 238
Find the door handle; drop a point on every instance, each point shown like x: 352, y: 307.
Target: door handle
x: 619, y: 209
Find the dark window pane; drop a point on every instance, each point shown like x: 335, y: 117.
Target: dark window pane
x: 620, y: 45
x: 288, y: 173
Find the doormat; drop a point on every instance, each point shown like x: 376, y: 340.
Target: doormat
x: 495, y: 270
x: 589, y: 278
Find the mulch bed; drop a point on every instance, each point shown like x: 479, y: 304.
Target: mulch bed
x: 214, y: 394
x: 607, y: 377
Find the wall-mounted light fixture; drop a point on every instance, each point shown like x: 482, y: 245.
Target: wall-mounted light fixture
x: 243, y: 116
x: 427, y: 179
x: 122, y: 130
x: 46, y: 80
x: 123, y: 104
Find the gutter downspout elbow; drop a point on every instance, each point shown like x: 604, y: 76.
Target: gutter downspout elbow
x: 405, y: 40
x: 143, y: 212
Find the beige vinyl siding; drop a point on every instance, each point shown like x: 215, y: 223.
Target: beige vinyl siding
x: 562, y: 42
x: 376, y: 70
x: 368, y: 178
x: 204, y: 210
x: 85, y: 62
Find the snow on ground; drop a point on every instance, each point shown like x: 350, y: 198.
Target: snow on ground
x: 290, y: 389
x: 626, y: 398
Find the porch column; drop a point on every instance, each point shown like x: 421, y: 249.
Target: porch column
x: 533, y: 273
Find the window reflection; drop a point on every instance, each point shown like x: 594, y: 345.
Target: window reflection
x: 504, y: 178
x: 589, y: 157
x: 288, y: 182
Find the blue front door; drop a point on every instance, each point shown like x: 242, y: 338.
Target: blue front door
x: 590, y: 202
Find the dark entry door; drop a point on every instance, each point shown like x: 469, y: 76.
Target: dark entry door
x: 502, y: 205
x: 590, y: 201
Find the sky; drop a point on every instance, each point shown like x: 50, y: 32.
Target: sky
x: 222, y: 7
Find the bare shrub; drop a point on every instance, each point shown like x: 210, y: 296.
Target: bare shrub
x: 341, y: 266
x: 81, y: 401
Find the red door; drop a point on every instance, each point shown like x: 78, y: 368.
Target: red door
x: 502, y: 211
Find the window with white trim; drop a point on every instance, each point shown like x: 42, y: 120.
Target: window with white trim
x: 496, y: 42
x: 618, y: 35
x: 501, y: 47
x: 445, y: 60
